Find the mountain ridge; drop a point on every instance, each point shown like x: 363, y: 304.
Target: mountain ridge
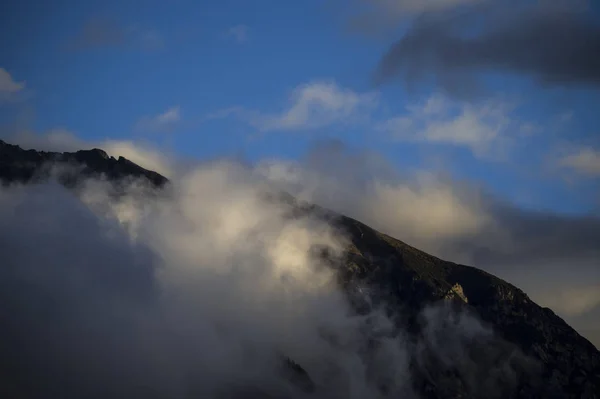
x: 404, y: 280
x: 23, y: 166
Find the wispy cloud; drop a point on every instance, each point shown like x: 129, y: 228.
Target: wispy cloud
x: 479, y: 127
x: 162, y: 122
x: 312, y: 105
x: 9, y: 88
x: 583, y: 161
x: 239, y: 33
x: 489, y: 129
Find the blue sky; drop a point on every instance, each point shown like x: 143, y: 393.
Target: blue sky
x: 272, y: 78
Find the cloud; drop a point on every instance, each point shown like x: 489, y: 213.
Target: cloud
x: 546, y: 254
x: 162, y: 122
x: 585, y: 161
x: 489, y: 128
x: 552, y: 44
x: 312, y: 105
x: 482, y: 127
x: 368, y: 187
x: 173, y: 299
x: 9, y: 88
x: 239, y: 33
x: 575, y: 301
x: 8, y: 84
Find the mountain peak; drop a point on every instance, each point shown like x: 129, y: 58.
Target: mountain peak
x: 21, y: 166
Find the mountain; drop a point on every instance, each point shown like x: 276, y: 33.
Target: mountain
x: 532, y: 352
x: 24, y: 166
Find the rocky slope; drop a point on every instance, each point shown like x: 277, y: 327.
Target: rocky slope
x: 533, y: 353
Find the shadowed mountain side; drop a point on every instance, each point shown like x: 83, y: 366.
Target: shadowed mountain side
x: 533, y: 353
x: 22, y: 166
x: 412, y: 278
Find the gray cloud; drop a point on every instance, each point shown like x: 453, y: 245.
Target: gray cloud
x: 554, y: 45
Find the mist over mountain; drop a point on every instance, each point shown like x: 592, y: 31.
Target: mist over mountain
x: 119, y: 283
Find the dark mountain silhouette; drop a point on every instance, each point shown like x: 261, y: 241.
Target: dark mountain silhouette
x: 532, y: 353
x: 24, y: 166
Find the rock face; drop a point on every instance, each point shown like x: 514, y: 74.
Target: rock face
x: 546, y: 358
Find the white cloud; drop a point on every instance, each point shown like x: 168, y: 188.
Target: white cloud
x: 165, y: 121
x: 312, y: 105
x: 8, y: 86
x: 239, y: 33
x: 584, y: 161
x: 479, y: 127
x: 423, y: 209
